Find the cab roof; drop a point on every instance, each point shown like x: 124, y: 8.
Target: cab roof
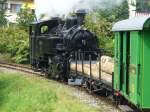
x: 44, y: 21
x: 133, y: 24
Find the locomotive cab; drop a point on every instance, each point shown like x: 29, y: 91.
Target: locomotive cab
x: 41, y: 34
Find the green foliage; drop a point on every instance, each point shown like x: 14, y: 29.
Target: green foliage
x: 100, y: 26
x: 143, y: 5
x: 101, y: 23
x: 15, y: 41
x: 25, y: 17
x: 116, y: 13
x: 120, y: 12
x: 14, y: 38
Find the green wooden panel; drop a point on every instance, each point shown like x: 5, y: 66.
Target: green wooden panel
x: 140, y: 68
x: 133, y: 71
x: 116, y: 60
x: 146, y: 70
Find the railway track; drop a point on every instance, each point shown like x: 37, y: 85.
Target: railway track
x: 28, y: 70
x: 18, y: 67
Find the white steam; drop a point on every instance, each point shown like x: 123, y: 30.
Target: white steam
x: 63, y: 7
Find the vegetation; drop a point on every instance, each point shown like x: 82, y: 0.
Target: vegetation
x: 142, y: 5
x: 15, y: 39
x: 20, y: 93
x: 25, y: 17
x: 14, y: 43
x: 101, y: 23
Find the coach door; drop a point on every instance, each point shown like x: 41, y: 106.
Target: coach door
x: 118, y: 66
x: 134, y: 65
x: 124, y: 61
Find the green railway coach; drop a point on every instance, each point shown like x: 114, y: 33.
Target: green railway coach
x: 132, y: 60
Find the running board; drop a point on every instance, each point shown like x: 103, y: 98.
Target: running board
x: 75, y: 82
x: 125, y: 108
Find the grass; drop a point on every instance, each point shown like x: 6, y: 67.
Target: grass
x: 21, y: 93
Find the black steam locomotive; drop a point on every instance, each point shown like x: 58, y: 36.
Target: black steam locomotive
x: 54, y: 42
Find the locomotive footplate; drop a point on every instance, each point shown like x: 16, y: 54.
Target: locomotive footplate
x: 125, y: 108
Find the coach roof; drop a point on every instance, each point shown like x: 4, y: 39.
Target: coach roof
x: 133, y: 24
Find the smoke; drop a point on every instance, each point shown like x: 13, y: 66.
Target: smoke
x: 52, y: 8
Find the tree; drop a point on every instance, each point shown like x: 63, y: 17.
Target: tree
x: 102, y: 28
x: 3, y: 20
x: 143, y: 5
x: 14, y: 38
x: 101, y: 23
x: 25, y: 17
x: 121, y: 12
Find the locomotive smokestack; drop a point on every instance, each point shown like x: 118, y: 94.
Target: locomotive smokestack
x: 80, y: 16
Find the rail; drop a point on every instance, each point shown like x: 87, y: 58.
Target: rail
x: 18, y: 67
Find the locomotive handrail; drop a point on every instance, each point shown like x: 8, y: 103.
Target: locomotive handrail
x: 90, y: 60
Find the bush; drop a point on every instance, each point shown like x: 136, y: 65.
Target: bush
x: 15, y: 41
x: 14, y: 38
x: 101, y: 23
x: 102, y: 28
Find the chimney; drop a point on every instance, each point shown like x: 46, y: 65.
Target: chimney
x: 80, y: 16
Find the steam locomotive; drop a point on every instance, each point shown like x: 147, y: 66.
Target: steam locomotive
x: 54, y: 42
